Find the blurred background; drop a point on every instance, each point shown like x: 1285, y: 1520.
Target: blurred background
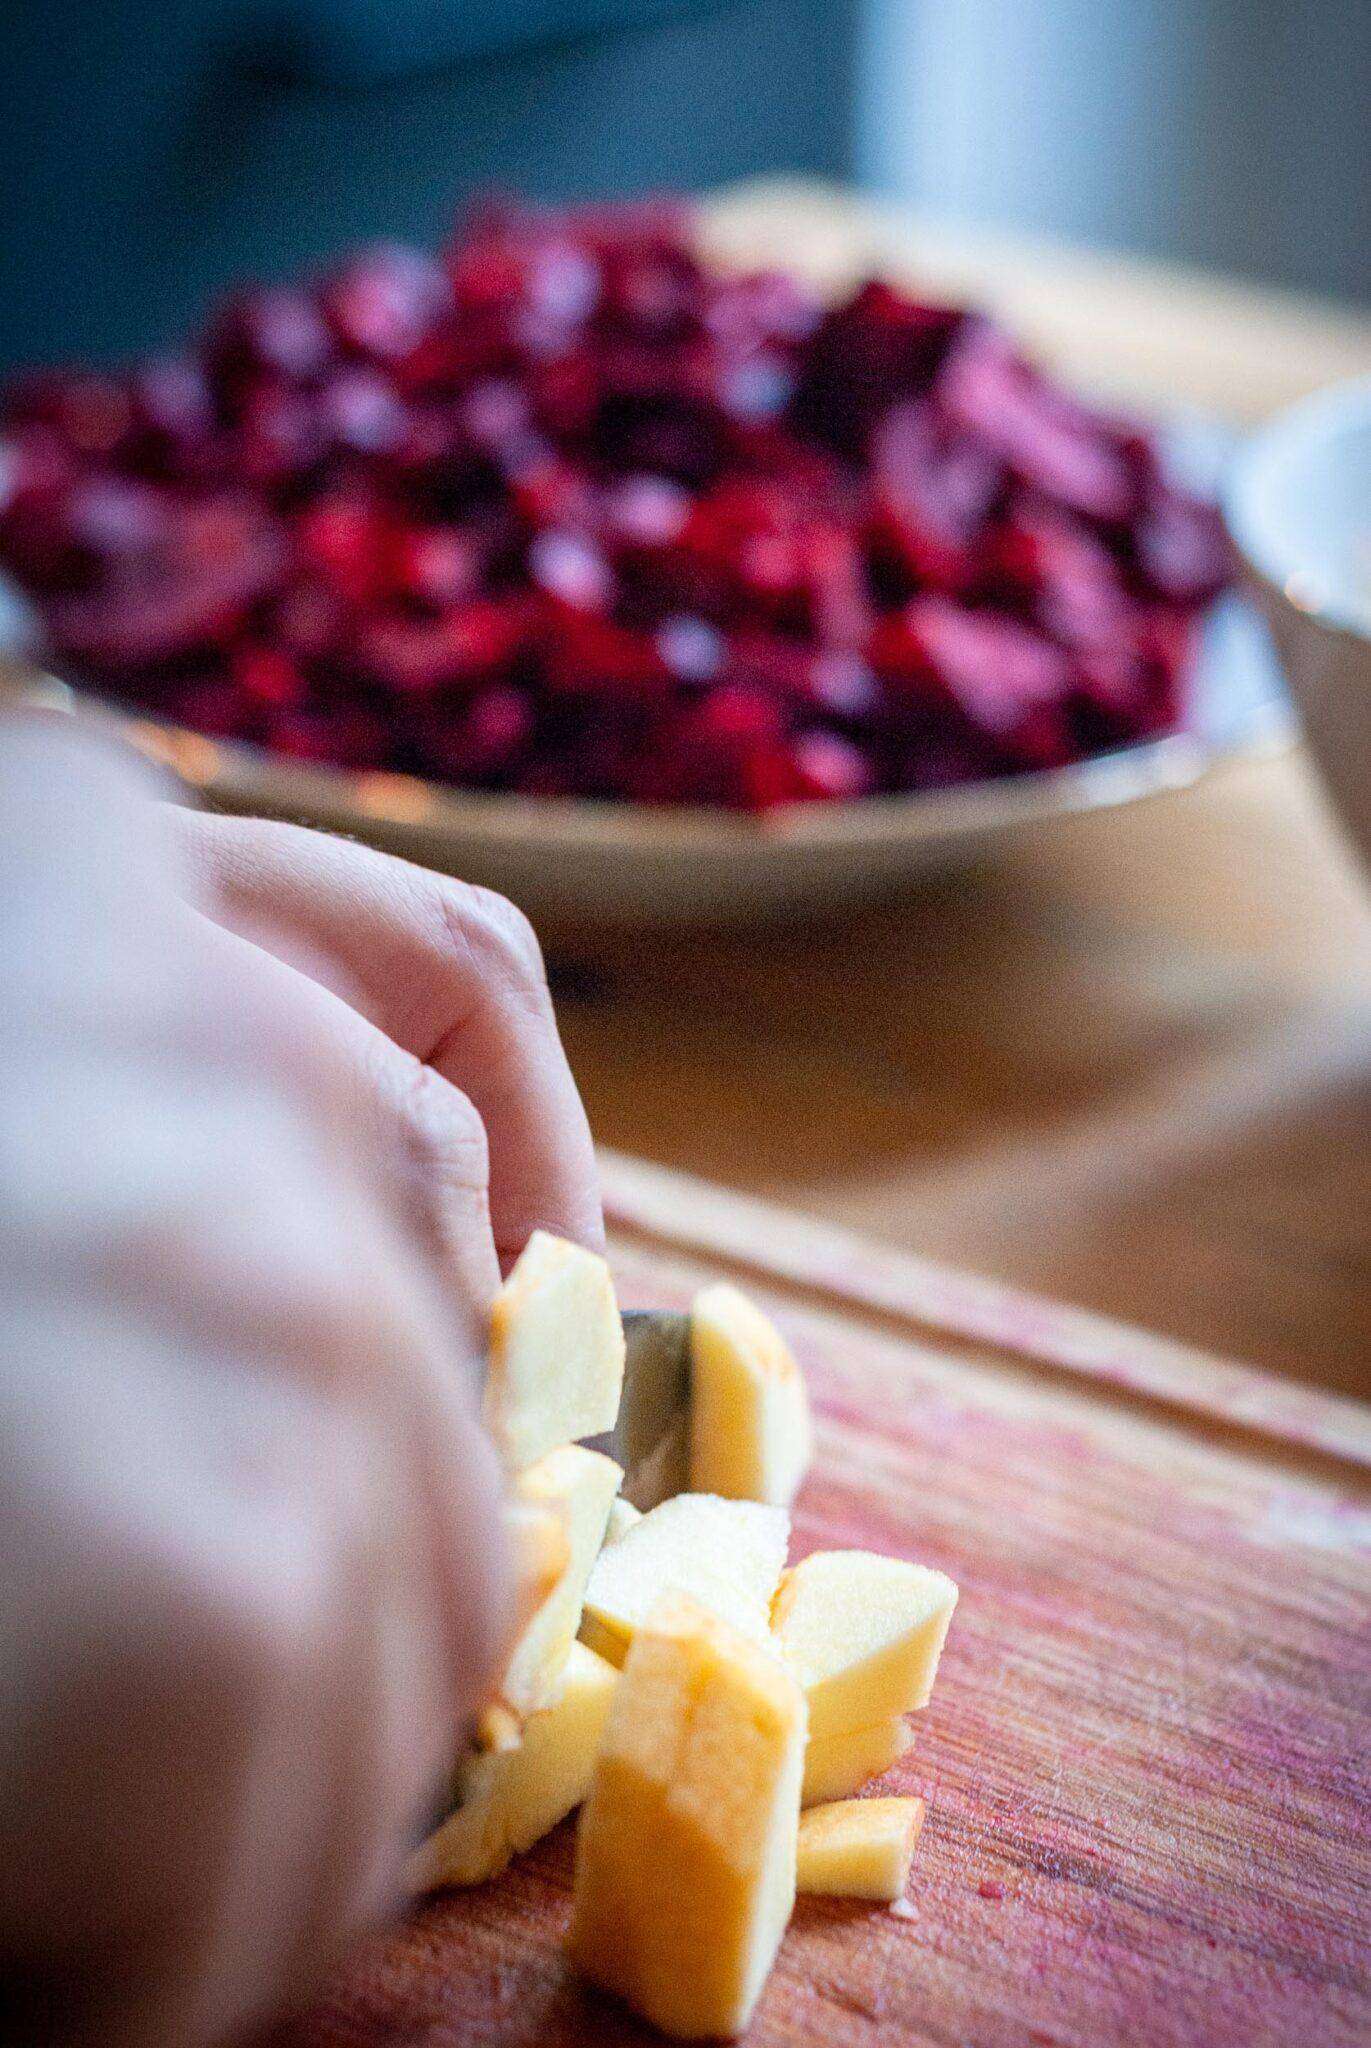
x: 155, y: 149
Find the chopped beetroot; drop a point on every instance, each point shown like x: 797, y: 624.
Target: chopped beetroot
x: 268, y: 676
x: 384, y: 302
x: 827, y: 768
x: 931, y: 495
x: 277, y: 332
x: 478, y: 739
x: 190, y: 593
x: 1182, y: 549
x: 999, y: 676
x: 567, y: 511
x: 867, y: 355
x: 1048, y: 440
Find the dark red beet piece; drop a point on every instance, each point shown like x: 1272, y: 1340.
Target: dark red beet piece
x: 1008, y: 683
x: 1183, y: 552
x: 276, y: 331
x: 213, y: 564
x: 386, y: 301
x: 1048, y: 440
x: 91, y: 413
x: 566, y: 512
x: 932, y: 492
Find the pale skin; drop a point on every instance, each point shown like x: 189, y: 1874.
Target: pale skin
x: 275, y: 1112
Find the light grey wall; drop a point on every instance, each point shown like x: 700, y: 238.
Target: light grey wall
x: 1230, y: 133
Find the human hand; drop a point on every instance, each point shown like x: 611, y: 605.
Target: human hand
x: 446, y: 1022
x: 254, y: 1582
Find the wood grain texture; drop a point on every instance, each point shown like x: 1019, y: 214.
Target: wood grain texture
x: 1128, y: 1065
x: 1148, y: 1757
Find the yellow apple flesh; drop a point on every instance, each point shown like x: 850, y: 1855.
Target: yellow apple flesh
x: 863, y: 1634
x: 858, y: 1848
x: 838, y: 1765
x: 751, y: 1437
x: 556, y: 1351
x: 727, y: 1554
x: 685, y: 1863
x: 511, y: 1797
x: 622, y: 1516
x: 579, y: 1485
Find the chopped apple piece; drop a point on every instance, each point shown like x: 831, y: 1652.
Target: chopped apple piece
x: 538, y: 1539
x: 859, y: 1848
x: 556, y: 1351
x: 579, y: 1485
x: 497, y: 1727
x: 470, y: 1845
x: 751, y: 1437
x: 557, y: 1761
x: 863, y: 1634
x: 622, y: 1516
x: 685, y: 1865
x: 511, y: 1797
x: 727, y: 1554
x: 838, y: 1765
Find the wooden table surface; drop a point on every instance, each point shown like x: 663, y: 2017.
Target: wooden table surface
x: 1128, y: 1062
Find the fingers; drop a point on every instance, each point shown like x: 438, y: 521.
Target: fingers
x: 452, y: 974
x: 421, y: 1134
x: 399, y: 1123
x: 80, y: 867
x: 256, y: 1577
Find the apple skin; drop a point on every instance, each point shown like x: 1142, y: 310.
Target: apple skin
x: 858, y: 1848
x: 685, y: 1863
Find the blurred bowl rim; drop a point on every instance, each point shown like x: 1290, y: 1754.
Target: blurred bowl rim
x: 1312, y: 424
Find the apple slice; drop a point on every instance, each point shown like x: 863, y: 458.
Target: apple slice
x: 858, y: 1848
x: 579, y: 1485
x: 727, y: 1554
x: 511, y: 1797
x: 622, y: 1516
x: 537, y: 1537
x: 685, y: 1863
x: 556, y: 1351
x: 497, y: 1727
x: 838, y: 1765
x: 470, y: 1845
x: 863, y: 1634
x: 556, y: 1763
x: 751, y: 1437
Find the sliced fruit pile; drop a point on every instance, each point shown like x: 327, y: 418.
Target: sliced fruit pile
x: 567, y: 511
x: 714, y: 1710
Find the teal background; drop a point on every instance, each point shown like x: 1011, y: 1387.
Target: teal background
x: 151, y: 153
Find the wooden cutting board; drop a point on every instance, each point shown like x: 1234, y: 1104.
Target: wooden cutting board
x: 1148, y: 1757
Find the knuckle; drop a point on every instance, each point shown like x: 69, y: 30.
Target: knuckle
x: 446, y: 1129
x: 498, y: 939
